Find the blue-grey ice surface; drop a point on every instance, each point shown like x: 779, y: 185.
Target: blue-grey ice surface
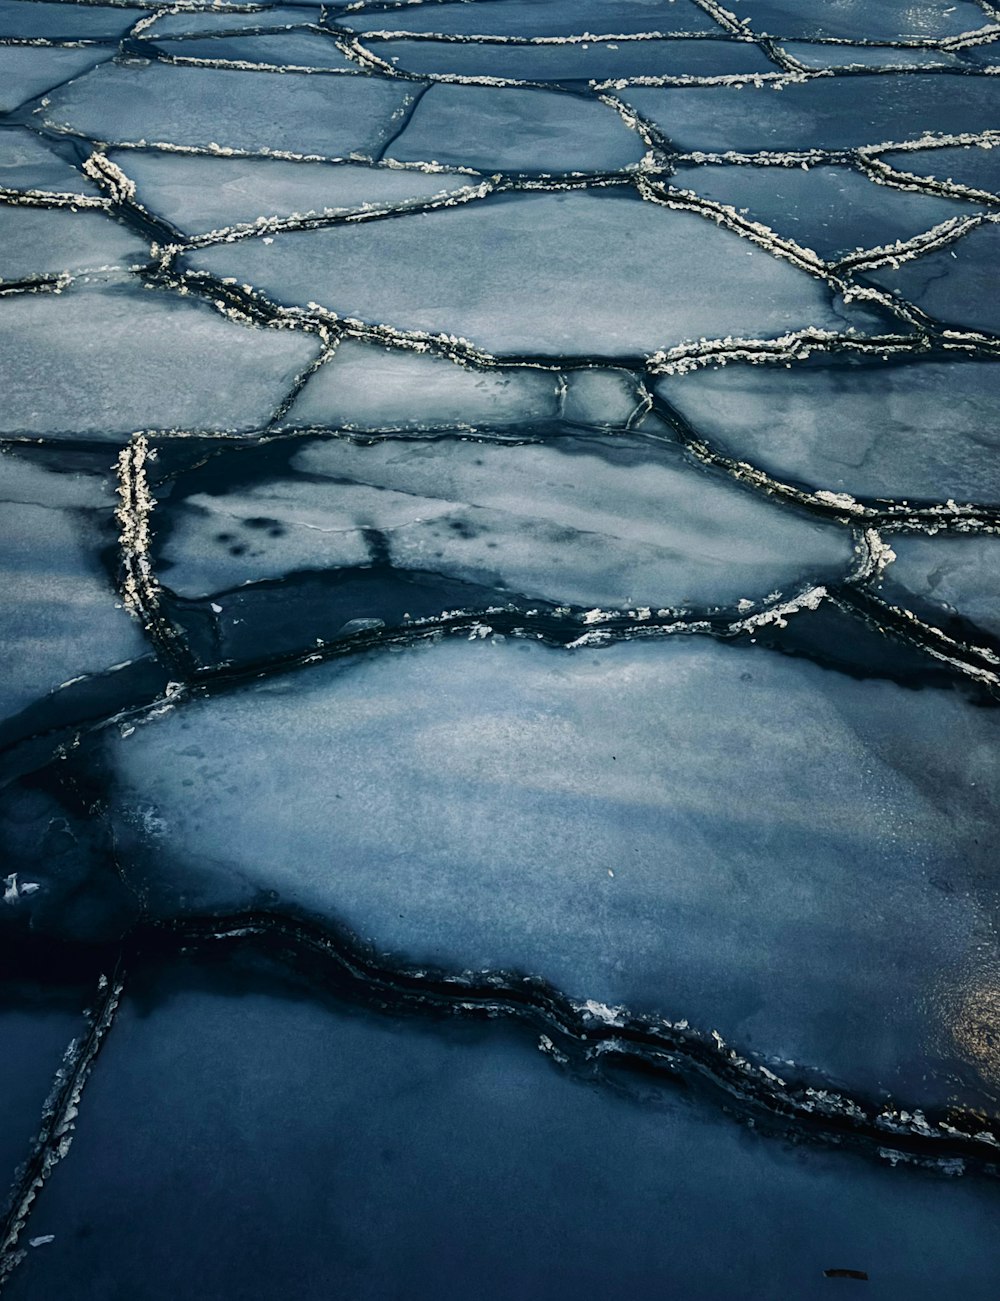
x: 499, y: 521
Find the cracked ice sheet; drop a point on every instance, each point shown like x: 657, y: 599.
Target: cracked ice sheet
x: 37, y: 242
x: 804, y: 863
x: 600, y: 60
x: 918, y: 429
x: 507, y: 275
x: 515, y: 130
x: 889, y: 20
x: 28, y: 164
x: 209, y: 108
x: 831, y: 210
x: 947, y: 284
x: 527, y: 18
x: 28, y: 70
x: 827, y: 113
x: 64, y: 621
x: 941, y: 577
x: 605, y: 521
x: 321, y: 1128
x: 200, y: 194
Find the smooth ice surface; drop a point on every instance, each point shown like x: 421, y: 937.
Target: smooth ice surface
x: 925, y: 429
x: 953, y: 574
x: 27, y: 71
x: 508, y: 275
x: 65, y: 21
x: 199, y: 194
x: 971, y: 165
x: 827, y: 113
x: 538, y: 18
x: 859, y: 20
x: 368, y: 387
x: 44, y: 241
x: 831, y: 210
x: 800, y: 860
x: 287, y: 50
x: 590, y: 61
x: 605, y: 521
x: 209, y: 108
x: 28, y: 164
x: 108, y: 361
x: 515, y: 131
x: 379, y: 1159
x: 946, y: 284
x: 64, y: 621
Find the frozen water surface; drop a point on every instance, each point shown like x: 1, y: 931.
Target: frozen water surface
x: 506, y: 275
x: 500, y: 650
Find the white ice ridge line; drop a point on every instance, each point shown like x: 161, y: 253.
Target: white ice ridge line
x: 58, y: 1121
x: 929, y: 241
x: 246, y: 65
x: 880, y: 172
x: 576, y: 38
x: 139, y: 586
x: 924, y: 635
x: 50, y: 199
x: 813, y: 157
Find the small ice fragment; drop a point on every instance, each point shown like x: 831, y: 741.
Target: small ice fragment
x: 42, y: 1240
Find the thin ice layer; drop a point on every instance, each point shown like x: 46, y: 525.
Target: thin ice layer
x: 28, y: 164
x: 109, y: 361
x: 516, y: 130
x: 362, y: 1141
x: 798, y: 859
x: 27, y: 71
x: 598, y: 60
x: 607, y: 521
x: 365, y: 387
x: 66, y: 619
x: 38, y: 242
x: 826, y: 113
x: 947, y: 284
x: 508, y: 275
x: 831, y: 210
x: 208, y: 108
x: 889, y: 20
x: 538, y: 18
x: 947, y: 576
x: 917, y: 429
x: 973, y: 165
x: 200, y: 194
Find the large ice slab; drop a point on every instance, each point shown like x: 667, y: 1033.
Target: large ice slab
x: 826, y: 113
x: 508, y: 275
x: 953, y: 576
x: 597, y: 60
x: 798, y: 859
x: 209, y: 108
x: 66, y: 618
x: 920, y: 429
x: 37, y: 242
x: 292, y: 50
x: 27, y: 71
x: 832, y: 210
x: 362, y: 1141
x: 946, y: 284
x: 538, y: 18
x: 109, y: 361
x: 199, y: 194
x: 516, y: 130
x: 890, y: 20
x: 973, y: 165
x: 585, y: 521
x: 66, y: 21
x: 367, y: 387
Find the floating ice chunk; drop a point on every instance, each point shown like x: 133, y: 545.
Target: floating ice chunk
x: 972, y: 165
x: 856, y: 19
x: 597, y: 60
x: 209, y: 108
x: 578, y: 521
x: 516, y: 131
x: 776, y: 833
x: 368, y: 387
x: 65, y: 21
x: 45, y: 241
x: 507, y: 274
x: 924, y: 430
x: 63, y: 620
x: 28, y: 70
x: 826, y: 113
x: 283, y: 50
x: 947, y: 284
x: 199, y: 194
x: 835, y: 57
x: 26, y: 163
x: 539, y: 18
x: 608, y: 398
x: 109, y: 361
x: 948, y: 575
x: 831, y: 210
